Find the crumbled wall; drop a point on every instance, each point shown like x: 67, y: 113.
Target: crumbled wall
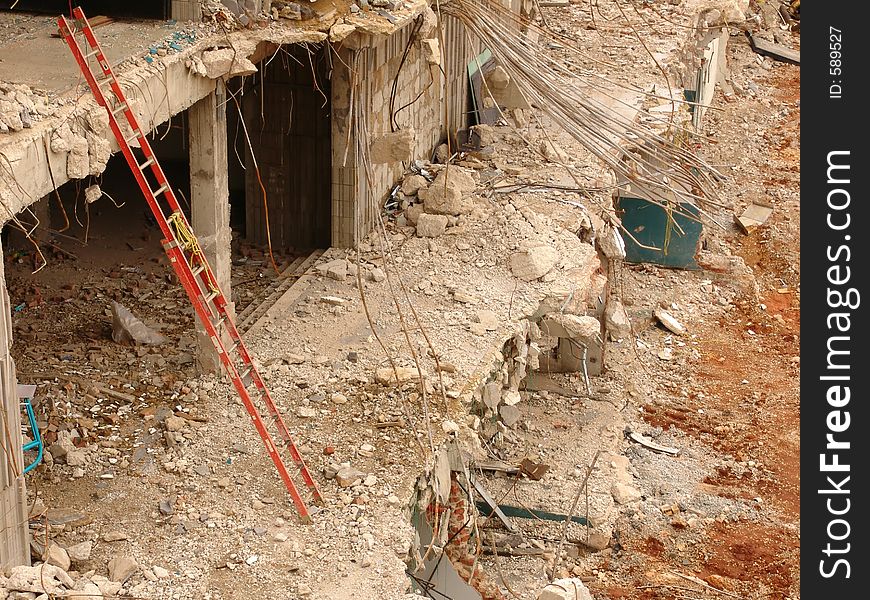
x: 379, y: 65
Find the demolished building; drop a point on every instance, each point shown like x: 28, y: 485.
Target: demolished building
x: 302, y: 119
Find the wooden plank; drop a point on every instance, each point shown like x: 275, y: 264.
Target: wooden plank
x: 774, y: 51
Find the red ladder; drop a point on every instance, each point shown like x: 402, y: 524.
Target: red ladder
x: 186, y: 257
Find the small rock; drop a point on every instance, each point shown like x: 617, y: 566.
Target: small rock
x: 413, y: 183
x: 624, y: 494
x: 306, y: 412
x: 333, y: 300
x: 160, y: 572
x: 533, y: 263
x: 57, y: 556
x: 174, y: 423
x: 338, y: 398
x: 487, y: 318
x: 334, y: 269
x: 431, y: 226
x: 565, y: 589
x: 348, y: 477
x: 121, y: 568
x: 80, y: 552
x: 165, y: 507
x: 114, y: 536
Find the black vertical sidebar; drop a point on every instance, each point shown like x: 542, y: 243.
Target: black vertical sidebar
x: 835, y: 258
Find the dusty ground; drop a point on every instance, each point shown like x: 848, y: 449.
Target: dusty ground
x: 203, y: 502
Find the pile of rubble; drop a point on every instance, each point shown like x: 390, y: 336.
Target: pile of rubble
x: 21, y: 107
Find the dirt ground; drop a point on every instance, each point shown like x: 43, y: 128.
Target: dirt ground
x: 718, y: 520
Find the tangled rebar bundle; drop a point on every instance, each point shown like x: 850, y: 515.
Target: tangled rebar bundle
x: 667, y: 171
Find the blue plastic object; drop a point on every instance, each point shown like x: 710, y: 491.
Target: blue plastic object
x: 25, y: 393
x: 666, y: 238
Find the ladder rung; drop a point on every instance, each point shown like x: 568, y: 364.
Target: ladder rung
x: 198, y: 270
x: 121, y: 108
x: 136, y: 136
x: 245, y: 375
x: 161, y: 189
x: 92, y: 53
x: 212, y: 296
x: 146, y: 164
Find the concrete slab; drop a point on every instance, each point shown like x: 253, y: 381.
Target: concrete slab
x: 44, y: 62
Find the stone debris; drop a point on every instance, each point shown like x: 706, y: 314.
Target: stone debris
x: 397, y: 146
x: 616, y: 322
x: 566, y: 589
x: 431, y: 226
x: 226, y: 63
x: 449, y: 193
x: 79, y: 553
x: 121, y: 568
x: 625, y: 494
x: 669, y: 321
x: 388, y: 376
x: 348, y: 477
x: 533, y: 263
x: 334, y: 269
x: 57, y: 556
x: 42, y: 579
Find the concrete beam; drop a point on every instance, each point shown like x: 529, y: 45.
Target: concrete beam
x: 29, y: 170
x: 209, y: 199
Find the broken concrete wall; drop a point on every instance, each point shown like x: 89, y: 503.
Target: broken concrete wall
x: 380, y: 60
x: 701, y: 62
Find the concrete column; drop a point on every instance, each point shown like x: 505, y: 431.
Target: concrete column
x: 209, y: 198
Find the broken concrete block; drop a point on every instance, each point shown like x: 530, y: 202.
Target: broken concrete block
x: 566, y: 589
x: 88, y: 591
x: 386, y: 375
x: 10, y: 115
x: 442, y: 154
x: 61, y: 139
x: 616, y: 322
x: 413, y: 184
x: 533, y: 263
x: 127, y: 328
x: 377, y: 275
x: 334, y: 269
x: 669, y: 321
x: 41, y: 579
x: 80, y: 552
x: 429, y: 24
x: 339, y: 31
x: 431, y: 50
x: 412, y: 213
x: 491, y: 394
x: 226, y: 62
x: 509, y: 414
x: 448, y: 193
x: 575, y: 327
x: 348, y: 477
x: 393, y: 147
x: 93, y: 193
x: 99, y: 152
x: 121, y: 568
x: 57, y: 556
x: 77, y: 161
x: 624, y: 494
x: 431, y: 226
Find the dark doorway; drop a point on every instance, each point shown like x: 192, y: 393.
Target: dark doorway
x: 287, y: 112
x: 156, y: 9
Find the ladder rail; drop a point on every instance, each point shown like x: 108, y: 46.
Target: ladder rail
x: 201, y: 285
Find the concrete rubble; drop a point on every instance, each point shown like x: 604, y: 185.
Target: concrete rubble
x: 467, y: 343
